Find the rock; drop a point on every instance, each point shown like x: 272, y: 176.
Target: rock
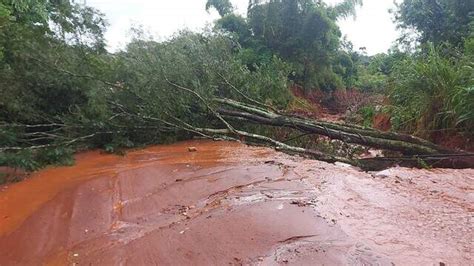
x: 384, y: 174
x: 192, y: 149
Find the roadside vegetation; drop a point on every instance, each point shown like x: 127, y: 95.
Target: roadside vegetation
x: 62, y: 91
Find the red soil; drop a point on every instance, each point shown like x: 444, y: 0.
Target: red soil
x: 228, y: 203
x: 382, y: 122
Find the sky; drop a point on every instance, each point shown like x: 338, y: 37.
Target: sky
x: 372, y: 28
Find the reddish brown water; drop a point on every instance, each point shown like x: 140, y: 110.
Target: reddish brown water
x: 228, y: 203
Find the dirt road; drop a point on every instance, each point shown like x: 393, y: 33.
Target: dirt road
x: 227, y: 203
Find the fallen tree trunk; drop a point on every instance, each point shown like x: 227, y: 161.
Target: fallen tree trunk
x: 406, y: 144
x: 279, y: 145
x: 370, y: 164
x: 417, y: 148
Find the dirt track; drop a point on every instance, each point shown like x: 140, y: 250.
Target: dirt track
x: 228, y: 203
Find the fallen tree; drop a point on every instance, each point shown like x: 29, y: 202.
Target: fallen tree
x: 157, y: 93
x: 458, y: 160
x: 416, y: 152
x: 234, y: 116
x: 407, y: 144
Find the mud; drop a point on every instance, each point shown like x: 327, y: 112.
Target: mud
x: 226, y: 203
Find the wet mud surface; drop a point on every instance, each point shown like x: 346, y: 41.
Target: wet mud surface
x: 229, y: 204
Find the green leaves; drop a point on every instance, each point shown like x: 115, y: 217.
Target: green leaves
x: 224, y: 7
x: 31, y: 160
x: 437, y: 21
x: 433, y: 92
x: 209, y: 64
x: 5, y: 11
x: 346, y: 8
x: 463, y: 102
x: 302, y: 32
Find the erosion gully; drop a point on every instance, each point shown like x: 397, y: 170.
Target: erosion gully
x: 227, y: 203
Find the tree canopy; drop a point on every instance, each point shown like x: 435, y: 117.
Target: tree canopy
x: 303, y: 32
x: 223, y: 7
x: 437, y: 21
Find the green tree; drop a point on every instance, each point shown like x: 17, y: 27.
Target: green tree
x: 42, y: 43
x: 305, y: 33
x: 223, y: 7
x: 302, y: 32
x: 346, y: 8
x: 431, y: 88
x: 50, y: 55
x: 437, y: 21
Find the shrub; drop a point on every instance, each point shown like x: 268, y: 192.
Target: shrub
x: 431, y: 92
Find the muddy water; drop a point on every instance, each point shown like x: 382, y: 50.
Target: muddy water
x: 228, y: 203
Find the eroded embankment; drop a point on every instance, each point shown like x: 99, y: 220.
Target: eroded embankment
x: 229, y: 203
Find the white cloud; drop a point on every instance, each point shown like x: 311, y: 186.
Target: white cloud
x: 373, y: 27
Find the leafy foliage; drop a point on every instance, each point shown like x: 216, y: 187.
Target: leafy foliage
x: 431, y: 87
x: 223, y: 7
x: 62, y: 91
x: 437, y: 21
x: 346, y: 8
x: 205, y: 63
x: 302, y: 32
x: 425, y: 91
x: 48, y: 52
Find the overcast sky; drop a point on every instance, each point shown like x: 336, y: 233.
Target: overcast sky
x: 373, y: 27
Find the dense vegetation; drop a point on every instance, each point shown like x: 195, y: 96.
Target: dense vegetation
x: 62, y: 91
x: 432, y: 88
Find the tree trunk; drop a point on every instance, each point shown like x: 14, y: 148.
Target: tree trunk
x: 406, y: 144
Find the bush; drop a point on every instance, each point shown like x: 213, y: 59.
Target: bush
x: 431, y: 92
x: 31, y: 160
x: 368, y: 113
x: 463, y: 102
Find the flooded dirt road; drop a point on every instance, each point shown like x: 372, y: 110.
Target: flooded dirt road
x: 227, y: 203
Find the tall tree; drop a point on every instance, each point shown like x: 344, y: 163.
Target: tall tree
x: 303, y: 32
x: 437, y: 21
